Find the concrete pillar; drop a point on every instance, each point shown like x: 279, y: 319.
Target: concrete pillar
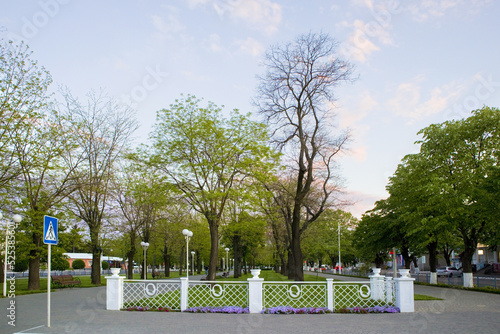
x: 405, y: 293
x: 329, y: 293
x: 114, y: 292
x: 184, y: 293
x: 255, y: 292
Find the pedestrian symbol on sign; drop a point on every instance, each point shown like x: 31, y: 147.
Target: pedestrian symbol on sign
x: 50, y: 230
x: 51, y: 236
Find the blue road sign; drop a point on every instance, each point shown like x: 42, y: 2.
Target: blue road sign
x: 49, y: 230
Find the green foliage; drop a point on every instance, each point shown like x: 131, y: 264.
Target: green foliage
x: 59, y: 263
x: 105, y: 265
x: 78, y: 264
x: 21, y: 264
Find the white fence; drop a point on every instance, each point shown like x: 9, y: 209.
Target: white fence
x: 257, y: 294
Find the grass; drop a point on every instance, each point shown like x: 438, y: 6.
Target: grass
x: 425, y: 297
x: 487, y: 289
x: 22, y: 285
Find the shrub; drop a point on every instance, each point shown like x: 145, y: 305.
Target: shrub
x: 78, y: 264
x: 105, y: 265
x: 59, y: 263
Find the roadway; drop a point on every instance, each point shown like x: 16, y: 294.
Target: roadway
x: 82, y: 310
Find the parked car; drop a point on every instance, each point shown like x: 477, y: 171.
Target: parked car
x: 449, y: 271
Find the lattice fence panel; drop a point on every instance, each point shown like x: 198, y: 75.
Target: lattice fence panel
x: 216, y: 294
x: 294, y: 295
x: 349, y: 295
x: 152, y: 294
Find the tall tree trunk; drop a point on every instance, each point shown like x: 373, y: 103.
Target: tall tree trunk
x: 432, y: 249
x: 447, y: 254
x: 34, y: 264
x: 214, y: 249
x: 130, y: 256
x: 405, y: 252
x: 290, y: 265
x: 468, y: 253
x: 181, y: 259
x: 166, y: 260
x: 95, y: 274
x: 237, y: 255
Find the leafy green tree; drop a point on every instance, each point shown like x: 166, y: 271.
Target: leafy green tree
x: 23, y: 94
x: 204, y: 155
x: 78, y: 264
x: 295, y: 96
x: 465, y: 154
x: 59, y: 263
x: 244, y: 234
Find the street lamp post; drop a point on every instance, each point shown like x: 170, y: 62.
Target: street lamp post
x: 17, y: 219
x: 192, y: 262
x: 227, y: 258
x: 187, y: 234
x: 145, y: 246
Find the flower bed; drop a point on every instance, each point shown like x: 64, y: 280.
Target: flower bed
x: 375, y: 309
x: 145, y: 308
x: 293, y: 310
x: 274, y: 310
x: 224, y: 309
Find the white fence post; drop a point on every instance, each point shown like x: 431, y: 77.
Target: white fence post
x: 114, y: 292
x: 329, y: 293
x: 184, y: 293
x: 404, y: 292
x: 377, y: 285
x: 255, y: 292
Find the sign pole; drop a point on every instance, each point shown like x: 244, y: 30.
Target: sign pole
x: 48, y: 285
x: 50, y: 233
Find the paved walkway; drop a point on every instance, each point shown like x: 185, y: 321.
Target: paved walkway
x: 82, y: 310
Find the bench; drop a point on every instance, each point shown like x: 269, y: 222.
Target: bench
x: 158, y: 274
x: 225, y: 274
x: 65, y: 280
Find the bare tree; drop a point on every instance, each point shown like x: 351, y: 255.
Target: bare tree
x: 296, y: 97
x: 105, y: 129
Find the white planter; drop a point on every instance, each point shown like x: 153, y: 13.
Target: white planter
x: 405, y: 273
x: 255, y: 272
x: 376, y: 271
x: 115, y: 272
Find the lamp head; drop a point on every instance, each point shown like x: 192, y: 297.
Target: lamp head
x: 185, y: 232
x: 193, y: 252
x: 17, y: 218
x: 227, y: 249
x: 1, y: 216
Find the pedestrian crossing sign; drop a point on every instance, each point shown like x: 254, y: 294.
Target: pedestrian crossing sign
x: 49, y: 230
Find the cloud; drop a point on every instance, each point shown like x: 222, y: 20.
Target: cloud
x: 428, y: 9
x: 263, y: 15
x: 362, y: 202
x: 167, y: 26
x: 250, y: 46
x: 213, y: 43
x: 408, y: 100
x: 366, y: 37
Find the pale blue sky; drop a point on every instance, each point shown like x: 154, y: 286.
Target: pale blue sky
x: 418, y: 62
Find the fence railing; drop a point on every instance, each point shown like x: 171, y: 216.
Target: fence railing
x: 257, y: 294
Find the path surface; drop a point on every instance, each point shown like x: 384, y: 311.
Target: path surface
x: 82, y: 310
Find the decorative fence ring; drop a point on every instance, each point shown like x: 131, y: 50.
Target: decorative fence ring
x: 294, y: 294
x: 214, y: 292
x: 150, y: 289
x: 364, y: 294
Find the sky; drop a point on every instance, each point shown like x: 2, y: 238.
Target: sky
x: 416, y: 62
